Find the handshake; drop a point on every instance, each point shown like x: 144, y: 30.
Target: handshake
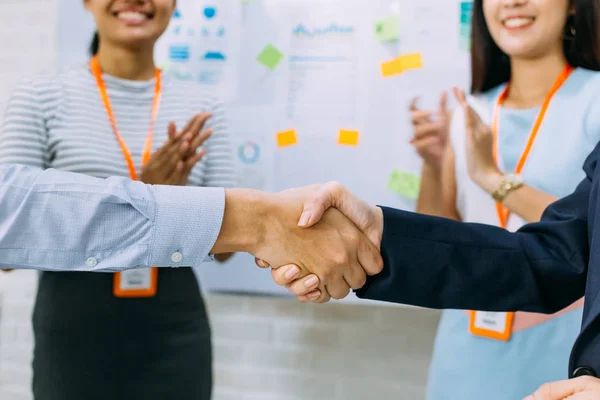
x: 321, y: 240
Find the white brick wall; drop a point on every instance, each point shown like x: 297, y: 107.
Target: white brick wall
x: 265, y: 348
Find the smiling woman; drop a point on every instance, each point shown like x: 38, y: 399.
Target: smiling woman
x: 121, y: 336
x: 535, y: 81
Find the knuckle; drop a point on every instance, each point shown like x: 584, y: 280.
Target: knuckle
x: 326, y: 276
x: 334, y: 187
x: 360, y: 282
x: 341, y: 258
x: 379, y: 263
x: 342, y: 294
x: 544, y: 391
x: 296, y: 289
x: 588, y: 380
x: 354, y: 237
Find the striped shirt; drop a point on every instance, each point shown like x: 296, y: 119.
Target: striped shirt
x: 59, y: 121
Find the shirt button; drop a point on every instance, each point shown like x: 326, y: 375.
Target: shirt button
x: 176, y: 257
x: 584, y: 371
x: 91, y: 262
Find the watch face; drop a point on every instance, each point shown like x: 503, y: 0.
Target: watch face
x: 514, y: 179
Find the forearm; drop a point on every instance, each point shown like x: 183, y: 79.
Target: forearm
x: 526, y: 201
x: 243, y: 225
x: 430, y: 200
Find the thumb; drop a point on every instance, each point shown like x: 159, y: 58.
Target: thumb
x: 313, y: 210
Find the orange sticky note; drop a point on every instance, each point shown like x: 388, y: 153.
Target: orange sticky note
x: 401, y: 64
x: 347, y: 137
x: 286, y: 138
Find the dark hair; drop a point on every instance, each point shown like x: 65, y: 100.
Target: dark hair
x: 490, y: 66
x: 95, y: 44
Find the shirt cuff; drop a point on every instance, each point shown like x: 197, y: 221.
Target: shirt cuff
x: 186, y: 225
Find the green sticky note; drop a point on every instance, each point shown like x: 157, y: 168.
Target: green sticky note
x: 270, y: 57
x: 386, y: 30
x: 405, y: 184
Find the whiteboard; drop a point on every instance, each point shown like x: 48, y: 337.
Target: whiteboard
x: 329, y: 79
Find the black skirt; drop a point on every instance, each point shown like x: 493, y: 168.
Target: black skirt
x: 91, y: 345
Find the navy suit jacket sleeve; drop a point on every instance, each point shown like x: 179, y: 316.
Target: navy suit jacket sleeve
x: 439, y: 263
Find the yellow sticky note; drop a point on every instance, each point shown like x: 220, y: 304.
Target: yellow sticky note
x: 286, y: 138
x: 390, y: 68
x: 412, y: 61
x: 401, y: 64
x: 405, y: 184
x: 348, y: 137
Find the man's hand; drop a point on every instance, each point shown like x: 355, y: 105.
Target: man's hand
x: 369, y: 219
x: 584, y: 388
x: 334, y: 249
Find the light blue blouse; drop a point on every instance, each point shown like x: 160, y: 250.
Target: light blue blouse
x: 468, y: 367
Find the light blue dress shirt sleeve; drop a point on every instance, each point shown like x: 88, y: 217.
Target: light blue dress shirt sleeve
x: 59, y: 221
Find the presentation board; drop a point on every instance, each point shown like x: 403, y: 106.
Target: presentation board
x: 315, y: 90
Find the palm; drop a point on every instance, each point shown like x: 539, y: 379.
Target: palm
x: 479, y: 139
x: 430, y: 130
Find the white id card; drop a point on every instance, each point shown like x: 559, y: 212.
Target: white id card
x: 136, y: 283
x: 492, y: 325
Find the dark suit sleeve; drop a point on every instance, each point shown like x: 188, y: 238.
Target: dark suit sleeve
x: 439, y: 263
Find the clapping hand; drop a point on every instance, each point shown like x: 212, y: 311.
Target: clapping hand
x: 479, y: 144
x: 173, y: 162
x: 430, y: 131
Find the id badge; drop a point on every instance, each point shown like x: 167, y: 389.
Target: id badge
x: 492, y: 325
x: 136, y: 282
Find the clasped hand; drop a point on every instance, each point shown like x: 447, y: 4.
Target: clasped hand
x: 342, y: 234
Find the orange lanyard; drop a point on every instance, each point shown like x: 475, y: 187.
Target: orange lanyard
x: 97, y: 71
x: 504, y: 213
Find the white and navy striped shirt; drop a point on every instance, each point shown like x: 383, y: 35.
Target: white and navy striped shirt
x: 59, y: 121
